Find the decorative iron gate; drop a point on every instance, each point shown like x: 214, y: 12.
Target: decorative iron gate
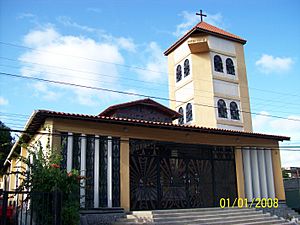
x: 167, y: 175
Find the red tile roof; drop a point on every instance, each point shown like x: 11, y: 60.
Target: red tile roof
x: 147, y: 101
x: 208, y: 29
x: 39, y: 117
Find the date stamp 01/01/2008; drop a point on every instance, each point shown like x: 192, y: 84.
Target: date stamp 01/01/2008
x: 245, y: 203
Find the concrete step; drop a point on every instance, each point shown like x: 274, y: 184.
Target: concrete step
x: 215, y: 221
x: 281, y: 222
x: 206, y: 213
x: 228, y: 222
x: 213, y: 209
x: 210, y: 217
x: 187, y: 216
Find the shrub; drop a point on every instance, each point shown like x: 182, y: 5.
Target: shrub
x: 45, y: 175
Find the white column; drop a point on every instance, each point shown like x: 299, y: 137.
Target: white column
x: 247, y: 174
x: 96, y: 172
x: 109, y: 173
x: 82, y: 170
x: 262, y: 173
x: 69, y: 152
x: 269, y: 173
x: 255, y: 173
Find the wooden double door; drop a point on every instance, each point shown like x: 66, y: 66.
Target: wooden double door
x: 167, y: 175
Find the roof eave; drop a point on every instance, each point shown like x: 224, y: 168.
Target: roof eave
x: 142, y: 123
x: 187, y: 35
x: 18, y: 141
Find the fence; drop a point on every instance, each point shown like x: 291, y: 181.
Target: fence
x: 30, y: 208
x: 292, y: 192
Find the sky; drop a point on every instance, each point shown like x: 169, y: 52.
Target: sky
x: 119, y: 45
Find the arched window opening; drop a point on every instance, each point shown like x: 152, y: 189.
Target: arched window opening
x: 178, y: 73
x: 222, y: 110
x: 234, y: 111
x: 181, y: 118
x: 218, y: 64
x: 230, y: 66
x: 189, y: 112
x: 186, y: 67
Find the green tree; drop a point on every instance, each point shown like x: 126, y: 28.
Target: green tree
x: 6, y: 142
x: 285, y: 173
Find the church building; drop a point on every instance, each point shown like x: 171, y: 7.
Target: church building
x: 142, y: 155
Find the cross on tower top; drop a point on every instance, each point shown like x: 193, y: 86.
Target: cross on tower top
x: 201, y: 15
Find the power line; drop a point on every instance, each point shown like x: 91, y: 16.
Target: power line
x: 80, y: 57
x: 13, y: 119
x: 291, y: 104
x: 124, y: 65
x: 15, y: 114
x: 79, y: 71
x: 131, y: 94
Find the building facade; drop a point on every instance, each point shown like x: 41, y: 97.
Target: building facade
x: 143, y: 155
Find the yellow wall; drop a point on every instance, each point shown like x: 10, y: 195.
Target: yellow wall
x: 244, y: 90
x: 278, y: 179
x: 240, y: 182
x: 124, y: 174
x: 12, y: 179
x: 203, y: 89
x: 46, y: 143
x: 172, y: 104
x: 202, y: 78
x: 126, y: 132
x: 108, y: 129
x: 44, y: 140
x: 1, y: 182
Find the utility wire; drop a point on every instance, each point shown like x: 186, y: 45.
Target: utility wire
x: 80, y: 57
x: 257, y: 89
x: 291, y: 104
x: 14, y: 114
x: 132, y: 94
x: 124, y: 65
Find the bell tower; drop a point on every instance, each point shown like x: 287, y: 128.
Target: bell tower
x: 208, y: 80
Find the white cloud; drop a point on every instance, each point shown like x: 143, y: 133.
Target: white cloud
x: 39, y: 38
x: 3, y: 101
x: 29, y: 17
x: 190, y: 19
x: 284, y: 127
x: 44, y: 92
x: 126, y: 43
x: 26, y: 15
x: 94, y: 10
x: 156, y: 64
x: 259, y: 121
x: 67, y: 21
x: 122, y: 42
x: 49, y: 40
x: 270, y: 64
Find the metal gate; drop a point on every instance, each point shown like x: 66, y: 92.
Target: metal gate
x: 167, y: 175
x: 30, y: 208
